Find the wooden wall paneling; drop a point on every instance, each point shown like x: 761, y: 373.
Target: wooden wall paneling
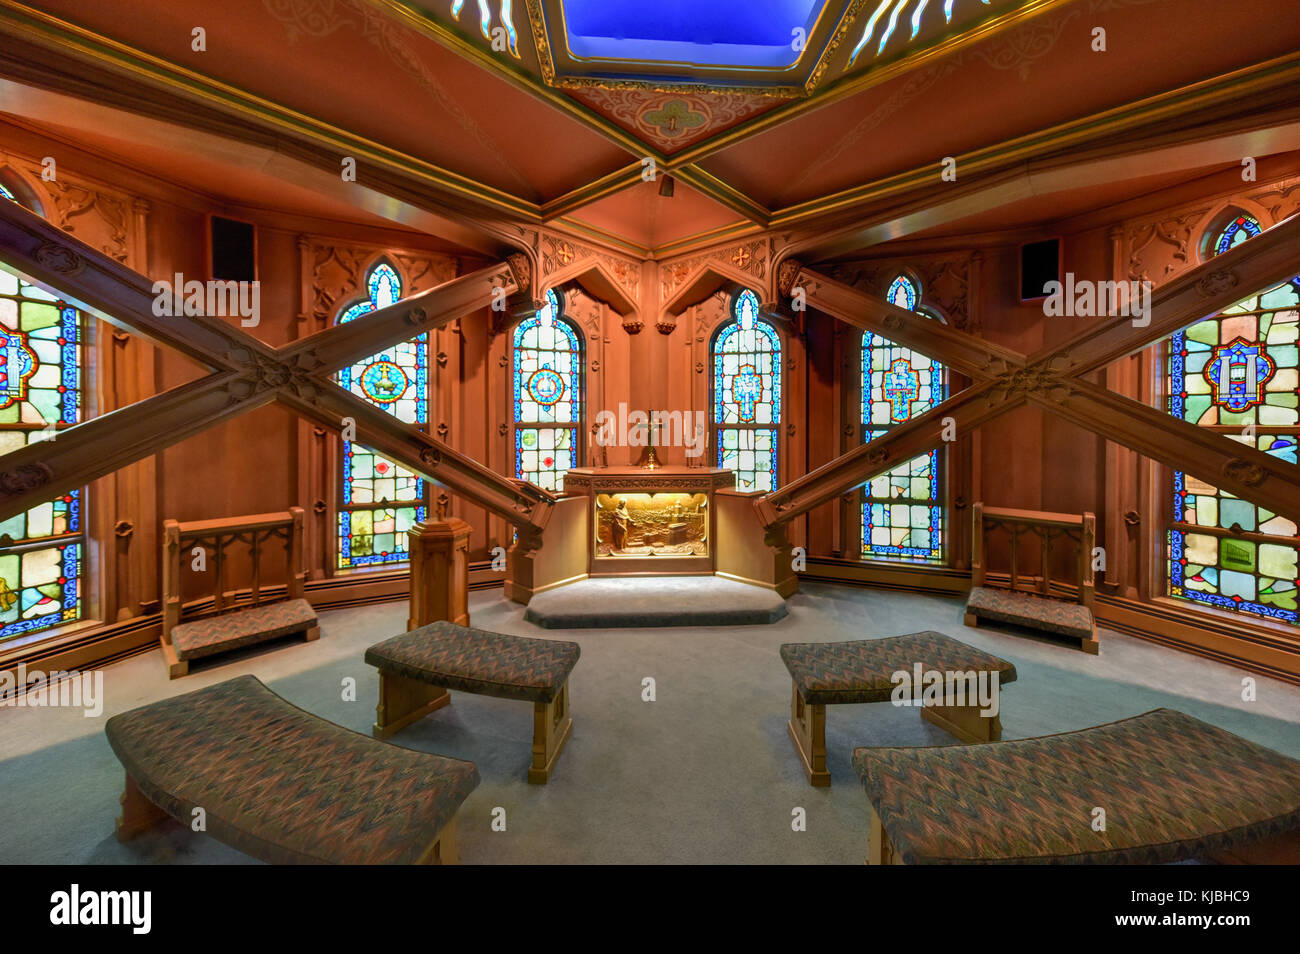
x: 846, y: 530
x: 795, y: 417
x: 496, y: 387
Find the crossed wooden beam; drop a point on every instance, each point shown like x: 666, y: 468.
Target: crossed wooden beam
x: 248, y: 374
x: 1055, y: 379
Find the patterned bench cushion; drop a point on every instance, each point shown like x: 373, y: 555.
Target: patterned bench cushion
x: 283, y: 785
x: 242, y: 627
x: 859, y: 670
x: 474, y: 660
x: 1173, y: 788
x: 1026, y: 609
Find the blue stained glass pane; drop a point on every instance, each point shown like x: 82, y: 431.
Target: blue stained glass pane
x: 396, y: 380
x: 1237, y: 370
x: 747, y: 395
x: 547, y: 395
x: 902, y: 510
x: 41, y: 356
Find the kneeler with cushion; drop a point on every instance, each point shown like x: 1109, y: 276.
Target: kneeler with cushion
x: 283, y: 785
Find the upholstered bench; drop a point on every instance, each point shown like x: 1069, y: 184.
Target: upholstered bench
x: 281, y: 784
x: 862, y: 670
x: 417, y: 668
x: 1156, y: 788
x: 1034, y: 612
x: 246, y: 626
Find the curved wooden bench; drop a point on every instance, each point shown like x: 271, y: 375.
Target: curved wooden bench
x: 1171, y: 788
x: 417, y: 668
x: 283, y: 785
x: 861, y: 670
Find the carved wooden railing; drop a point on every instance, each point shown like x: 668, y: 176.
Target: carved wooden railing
x: 217, y: 537
x: 1051, y: 531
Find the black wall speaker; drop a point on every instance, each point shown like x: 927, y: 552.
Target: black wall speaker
x: 234, y: 250
x: 1040, y: 263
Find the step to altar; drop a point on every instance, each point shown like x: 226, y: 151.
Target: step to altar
x: 651, y: 601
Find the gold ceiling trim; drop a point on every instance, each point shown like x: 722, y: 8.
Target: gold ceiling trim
x: 720, y: 68
x: 607, y: 185
x: 41, y: 29
x: 720, y: 191
x: 44, y: 29
x: 861, y: 81
x: 1280, y: 73
x: 517, y: 77
x: 841, y: 31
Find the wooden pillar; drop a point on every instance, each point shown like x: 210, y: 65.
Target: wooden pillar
x: 439, y: 572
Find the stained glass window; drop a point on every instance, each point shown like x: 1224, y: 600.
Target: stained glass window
x: 747, y: 395
x: 6, y: 194
x: 902, y: 510
x: 42, y: 550
x: 547, y: 396
x: 1236, y: 374
x: 381, y: 499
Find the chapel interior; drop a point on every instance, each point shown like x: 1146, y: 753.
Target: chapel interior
x: 722, y: 380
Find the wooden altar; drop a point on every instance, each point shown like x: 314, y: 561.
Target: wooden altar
x: 641, y: 521
x: 674, y: 521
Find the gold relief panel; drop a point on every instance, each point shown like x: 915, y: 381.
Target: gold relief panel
x: 652, y: 524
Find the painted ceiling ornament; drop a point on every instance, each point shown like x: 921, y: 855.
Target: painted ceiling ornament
x: 17, y: 365
x: 1237, y: 373
x: 674, y: 117
x: 506, y: 22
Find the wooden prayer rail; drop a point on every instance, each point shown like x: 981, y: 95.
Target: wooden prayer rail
x: 1081, y: 528
x: 255, y: 531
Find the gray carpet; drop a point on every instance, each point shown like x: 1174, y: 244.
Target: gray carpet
x: 704, y: 774
x: 654, y: 601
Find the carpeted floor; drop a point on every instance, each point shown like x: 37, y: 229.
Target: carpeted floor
x: 704, y: 774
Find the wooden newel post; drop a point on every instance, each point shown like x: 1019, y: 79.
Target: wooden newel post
x: 439, y: 571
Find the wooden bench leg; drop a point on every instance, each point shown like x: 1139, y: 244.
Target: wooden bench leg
x: 403, y: 701
x: 1090, y: 643
x: 443, y: 850
x: 971, y: 619
x: 175, y: 668
x: 138, y: 813
x: 311, y: 635
x: 965, y: 722
x: 807, y: 727
x: 880, y: 850
x: 552, y: 725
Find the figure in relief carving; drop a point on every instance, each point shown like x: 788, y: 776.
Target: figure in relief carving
x: 619, y: 527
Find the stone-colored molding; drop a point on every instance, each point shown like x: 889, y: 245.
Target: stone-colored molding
x: 338, y: 273
x: 945, y: 282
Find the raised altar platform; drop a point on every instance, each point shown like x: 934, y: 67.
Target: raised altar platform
x: 649, y: 601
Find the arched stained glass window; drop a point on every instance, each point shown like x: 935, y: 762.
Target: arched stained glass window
x: 381, y: 499
x: 42, y: 551
x: 1236, y: 374
x: 547, y: 396
x: 747, y: 395
x: 902, y: 510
